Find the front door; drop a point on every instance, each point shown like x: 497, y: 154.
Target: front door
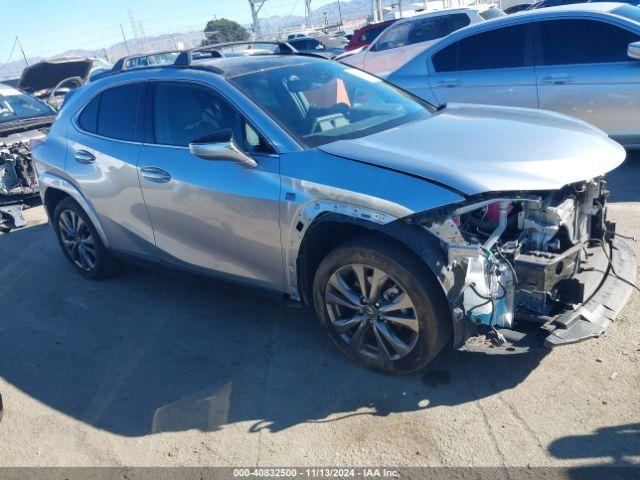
x: 592, y: 79
x: 210, y: 215
x: 494, y: 67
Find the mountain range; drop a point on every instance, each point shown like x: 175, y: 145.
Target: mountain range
x: 272, y: 25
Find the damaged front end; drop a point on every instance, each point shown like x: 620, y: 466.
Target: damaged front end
x: 18, y: 180
x: 532, y: 269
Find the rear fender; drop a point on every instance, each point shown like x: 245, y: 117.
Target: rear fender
x: 48, y: 180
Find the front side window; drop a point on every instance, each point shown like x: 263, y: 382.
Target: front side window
x: 394, y: 37
x: 320, y: 102
x: 184, y: 113
x: 574, y: 42
x: 500, y: 48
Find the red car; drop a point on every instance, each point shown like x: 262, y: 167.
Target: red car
x: 365, y: 35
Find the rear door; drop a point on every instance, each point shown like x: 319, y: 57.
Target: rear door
x: 583, y: 70
x: 490, y: 67
x: 210, y: 215
x: 105, y: 143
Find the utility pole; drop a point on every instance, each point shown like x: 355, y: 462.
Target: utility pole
x: 340, y: 12
x: 22, y: 50
x: 256, y: 6
x: 126, y: 45
x: 376, y: 5
x: 400, y: 7
x: 307, y: 12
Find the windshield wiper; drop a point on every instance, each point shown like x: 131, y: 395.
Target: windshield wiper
x: 25, y: 122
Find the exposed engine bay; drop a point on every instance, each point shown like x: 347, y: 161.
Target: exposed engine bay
x: 525, y: 259
x: 18, y: 179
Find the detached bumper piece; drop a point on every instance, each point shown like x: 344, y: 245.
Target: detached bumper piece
x: 11, y: 217
x: 608, y: 293
x: 594, y: 317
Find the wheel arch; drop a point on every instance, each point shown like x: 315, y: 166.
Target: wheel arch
x: 331, y: 229
x: 54, y: 188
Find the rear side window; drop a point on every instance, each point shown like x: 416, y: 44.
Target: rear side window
x: 88, y: 119
x: 500, y: 48
x: 599, y: 42
x: 118, y: 112
x: 437, y: 27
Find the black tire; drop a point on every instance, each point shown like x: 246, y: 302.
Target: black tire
x: 407, y: 273
x: 104, y: 265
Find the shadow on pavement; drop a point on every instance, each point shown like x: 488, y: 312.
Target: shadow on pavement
x: 146, y: 352
x: 613, y: 446
x: 624, y: 181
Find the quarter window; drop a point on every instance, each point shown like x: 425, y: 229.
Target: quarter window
x: 88, y: 119
x: 500, y: 48
x: 599, y: 42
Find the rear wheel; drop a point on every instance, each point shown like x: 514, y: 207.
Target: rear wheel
x: 80, y: 241
x: 380, y: 306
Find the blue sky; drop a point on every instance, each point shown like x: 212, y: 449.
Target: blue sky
x: 47, y: 27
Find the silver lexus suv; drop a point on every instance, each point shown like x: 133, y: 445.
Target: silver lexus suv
x: 404, y: 225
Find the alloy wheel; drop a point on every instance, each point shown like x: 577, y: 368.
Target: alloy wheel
x: 77, y: 240
x: 372, y: 312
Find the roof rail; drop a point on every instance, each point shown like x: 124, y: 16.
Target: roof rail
x: 124, y: 63
x: 185, y: 59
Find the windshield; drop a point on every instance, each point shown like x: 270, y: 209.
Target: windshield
x: 15, y: 105
x: 320, y: 101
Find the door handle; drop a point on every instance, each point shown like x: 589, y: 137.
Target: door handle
x: 155, y: 174
x: 557, y: 79
x: 82, y: 156
x: 448, y: 83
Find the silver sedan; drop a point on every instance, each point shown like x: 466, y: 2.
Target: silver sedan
x: 580, y: 60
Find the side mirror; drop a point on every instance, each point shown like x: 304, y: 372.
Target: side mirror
x: 320, y: 47
x: 633, y: 50
x: 220, y: 146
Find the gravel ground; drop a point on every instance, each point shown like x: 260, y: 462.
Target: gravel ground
x: 152, y: 369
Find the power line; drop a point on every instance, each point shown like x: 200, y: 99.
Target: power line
x: 15, y: 42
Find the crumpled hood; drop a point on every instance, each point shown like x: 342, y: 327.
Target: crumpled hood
x: 47, y: 75
x: 480, y: 148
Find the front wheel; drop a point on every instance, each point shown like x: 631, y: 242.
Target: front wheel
x: 381, y: 306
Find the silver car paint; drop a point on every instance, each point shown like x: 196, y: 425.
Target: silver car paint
x: 465, y: 147
x: 606, y: 94
x: 244, y: 223
x: 315, y: 182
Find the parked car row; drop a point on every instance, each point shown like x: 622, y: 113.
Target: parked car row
x: 581, y: 60
x: 404, y: 224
